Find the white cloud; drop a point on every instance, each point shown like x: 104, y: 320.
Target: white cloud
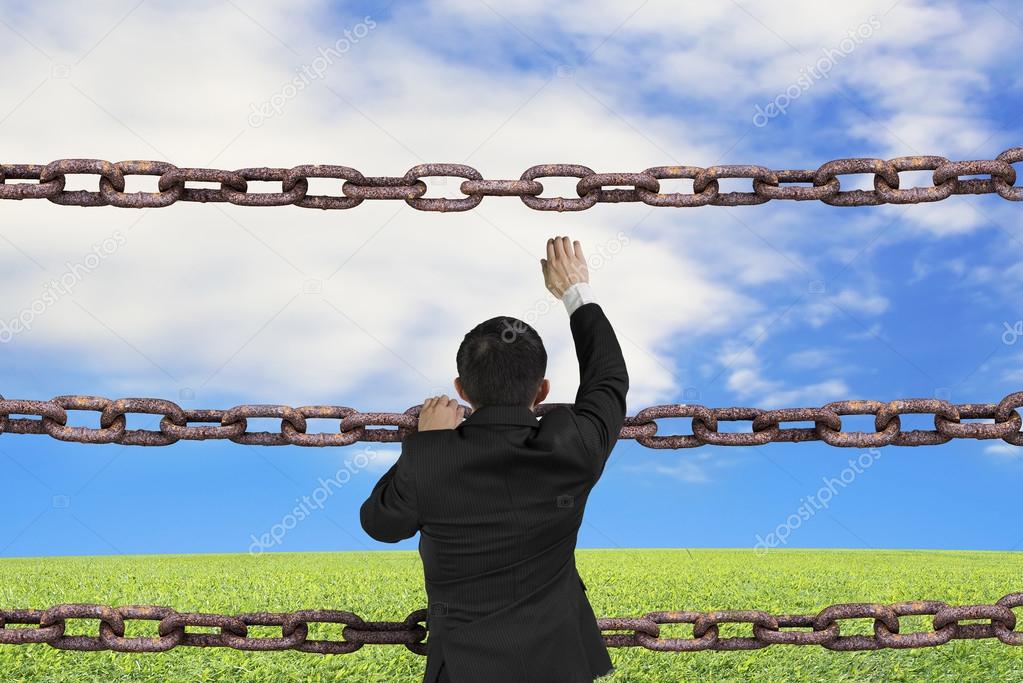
x: 689, y: 467
x: 683, y: 470
x: 748, y: 379
x: 809, y: 359
x: 210, y: 298
x: 213, y: 298
x: 749, y: 383
x: 926, y: 265
x: 823, y: 308
x: 383, y: 459
x: 809, y: 394
x: 860, y: 302
x: 1003, y: 449
x: 694, y: 466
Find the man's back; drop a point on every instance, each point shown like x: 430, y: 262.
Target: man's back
x: 498, y: 502
x: 500, y: 505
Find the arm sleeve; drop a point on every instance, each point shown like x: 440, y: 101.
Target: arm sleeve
x: 577, y: 295
x: 603, y: 382
x: 390, y: 514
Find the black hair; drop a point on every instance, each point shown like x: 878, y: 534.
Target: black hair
x: 502, y: 362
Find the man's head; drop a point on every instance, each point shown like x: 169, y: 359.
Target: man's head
x: 501, y: 362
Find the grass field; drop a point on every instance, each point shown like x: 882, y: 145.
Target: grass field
x: 388, y: 585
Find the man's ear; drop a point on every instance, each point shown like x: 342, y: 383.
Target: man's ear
x: 461, y: 391
x: 541, y: 393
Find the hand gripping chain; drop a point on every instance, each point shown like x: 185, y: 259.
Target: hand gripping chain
x: 1002, y: 421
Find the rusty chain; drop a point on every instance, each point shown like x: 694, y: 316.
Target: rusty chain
x: 824, y: 628
x: 177, y: 423
x: 823, y: 184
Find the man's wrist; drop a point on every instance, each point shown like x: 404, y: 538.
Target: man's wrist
x: 578, y: 294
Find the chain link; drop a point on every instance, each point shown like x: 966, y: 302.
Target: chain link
x: 1002, y: 421
x: 948, y: 178
x: 232, y: 631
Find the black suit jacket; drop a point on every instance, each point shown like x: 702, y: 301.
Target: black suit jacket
x: 498, y: 502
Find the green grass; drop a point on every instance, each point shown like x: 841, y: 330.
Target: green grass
x: 388, y: 585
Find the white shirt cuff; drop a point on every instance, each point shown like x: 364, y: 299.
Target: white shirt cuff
x: 577, y: 295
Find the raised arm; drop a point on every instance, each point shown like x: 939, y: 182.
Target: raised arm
x: 391, y: 513
x: 603, y: 379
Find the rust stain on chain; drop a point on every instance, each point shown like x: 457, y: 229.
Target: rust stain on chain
x: 820, y: 184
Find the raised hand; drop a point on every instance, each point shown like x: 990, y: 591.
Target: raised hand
x: 564, y: 266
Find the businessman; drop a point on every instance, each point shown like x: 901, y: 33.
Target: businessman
x: 499, y: 496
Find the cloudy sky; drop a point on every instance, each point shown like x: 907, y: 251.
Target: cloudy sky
x: 782, y: 304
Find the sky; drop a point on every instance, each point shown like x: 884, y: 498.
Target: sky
x: 778, y: 305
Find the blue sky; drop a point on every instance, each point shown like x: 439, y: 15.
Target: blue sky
x: 782, y: 304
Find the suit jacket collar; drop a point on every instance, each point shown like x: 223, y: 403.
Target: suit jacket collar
x: 506, y: 415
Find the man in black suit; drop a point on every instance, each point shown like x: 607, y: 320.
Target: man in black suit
x: 499, y: 497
